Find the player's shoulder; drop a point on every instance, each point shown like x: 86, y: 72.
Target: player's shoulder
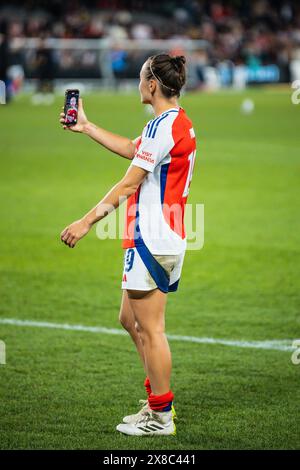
x: 161, y: 125
x: 183, y: 120
x: 182, y: 126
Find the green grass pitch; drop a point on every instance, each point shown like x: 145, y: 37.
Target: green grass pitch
x: 68, y: 390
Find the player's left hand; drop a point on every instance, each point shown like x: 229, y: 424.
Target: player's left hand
x: 74, y: 232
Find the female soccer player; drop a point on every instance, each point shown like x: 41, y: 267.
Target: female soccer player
x: 156, y: 186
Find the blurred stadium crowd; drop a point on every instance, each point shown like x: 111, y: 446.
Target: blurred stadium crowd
x: 254, y: 34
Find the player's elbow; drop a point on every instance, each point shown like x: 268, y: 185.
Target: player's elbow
x: 128, y: 187
x: 131, y: 150
x: 132, y: 180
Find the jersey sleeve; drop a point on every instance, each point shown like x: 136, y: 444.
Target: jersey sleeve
x: 137, y: 140
x: 154, y: 146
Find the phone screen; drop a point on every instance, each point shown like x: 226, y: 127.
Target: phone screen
x: 71, y: 107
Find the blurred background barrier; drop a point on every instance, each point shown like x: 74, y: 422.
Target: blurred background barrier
x: 104, y: 43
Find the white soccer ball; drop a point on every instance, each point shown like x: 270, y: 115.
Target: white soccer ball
x: 247, y: 106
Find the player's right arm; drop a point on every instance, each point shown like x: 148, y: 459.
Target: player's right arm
x: 115, y: 143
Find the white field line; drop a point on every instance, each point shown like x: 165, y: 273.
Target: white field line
x: 276, y: 345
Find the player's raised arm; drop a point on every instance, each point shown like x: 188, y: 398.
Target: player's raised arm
x: 122, y: 146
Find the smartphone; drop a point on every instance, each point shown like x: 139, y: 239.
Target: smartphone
x: 71, y: 107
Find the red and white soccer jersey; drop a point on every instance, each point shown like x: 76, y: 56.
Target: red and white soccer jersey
x: 155, y: 213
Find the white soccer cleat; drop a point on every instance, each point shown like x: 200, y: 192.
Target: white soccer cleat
x: 133, y: 418
x: 145, y: 407
x: 150, y: 423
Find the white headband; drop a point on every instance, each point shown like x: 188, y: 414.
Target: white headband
x: 158, y: 79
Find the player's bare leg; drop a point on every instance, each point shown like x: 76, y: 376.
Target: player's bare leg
x: 128, y: 322
x: 149, y: 312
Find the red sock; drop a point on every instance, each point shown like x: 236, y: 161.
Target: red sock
x: 161, y: 402
x: 148, y: 386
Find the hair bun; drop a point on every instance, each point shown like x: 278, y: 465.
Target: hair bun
x: 178, y: 62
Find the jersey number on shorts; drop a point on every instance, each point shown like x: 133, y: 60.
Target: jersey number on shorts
x: 129, y: 257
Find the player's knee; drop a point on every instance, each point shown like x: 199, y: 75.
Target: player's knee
x: 126, y: 323
x: 151, y: 335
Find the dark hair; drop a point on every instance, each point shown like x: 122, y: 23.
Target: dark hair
x: 169, y: 72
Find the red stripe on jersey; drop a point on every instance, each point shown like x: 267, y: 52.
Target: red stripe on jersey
x: 128, y: 236
x: 178, y: 172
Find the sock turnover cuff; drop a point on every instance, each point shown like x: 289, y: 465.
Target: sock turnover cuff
x: 161, y: 402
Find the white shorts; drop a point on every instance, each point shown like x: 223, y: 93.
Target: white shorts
x: 144, y: 271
